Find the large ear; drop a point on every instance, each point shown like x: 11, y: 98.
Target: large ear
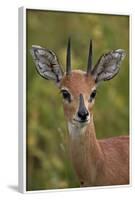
x: 46, y: 63
x: 108, y: 65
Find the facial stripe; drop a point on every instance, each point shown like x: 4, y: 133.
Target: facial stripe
x: 82, y: 111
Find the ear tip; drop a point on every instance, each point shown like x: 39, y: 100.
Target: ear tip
x: 121, y: 51
x: 36, y: 47
x: 33, y: 48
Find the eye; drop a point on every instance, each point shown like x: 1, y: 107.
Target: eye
x: 66, y: 95
x: 92, y: 96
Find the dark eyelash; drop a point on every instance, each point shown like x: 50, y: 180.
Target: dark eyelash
x: 66, y: 95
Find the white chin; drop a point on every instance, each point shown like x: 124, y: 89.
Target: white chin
x: 76, y: 128
x: 80, y: 123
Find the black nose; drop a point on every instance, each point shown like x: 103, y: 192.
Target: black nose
x: 83, y: 114
x: 82, y: 111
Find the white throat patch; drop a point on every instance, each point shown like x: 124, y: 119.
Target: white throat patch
x: 75, y: 131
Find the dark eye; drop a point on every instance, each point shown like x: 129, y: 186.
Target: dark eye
x: 66, y: 95
x: 92, y: 96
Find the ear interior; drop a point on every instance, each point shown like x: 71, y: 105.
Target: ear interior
x: 108, y: 65
x: 46, y: 63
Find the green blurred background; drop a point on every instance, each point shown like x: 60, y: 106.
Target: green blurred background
x: 48, y: 163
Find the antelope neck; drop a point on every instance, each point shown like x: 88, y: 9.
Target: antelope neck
x: 85, y: 151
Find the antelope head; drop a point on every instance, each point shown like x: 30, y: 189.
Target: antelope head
x: 78, y: 88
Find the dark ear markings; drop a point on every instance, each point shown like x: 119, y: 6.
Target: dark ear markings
x: 108, y: 65
x: 47, y: 64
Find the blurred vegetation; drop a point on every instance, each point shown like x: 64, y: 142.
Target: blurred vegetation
x: 48, y: 163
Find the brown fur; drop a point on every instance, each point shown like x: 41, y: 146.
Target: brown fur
x: 96, y: 162
x: 77, y: 83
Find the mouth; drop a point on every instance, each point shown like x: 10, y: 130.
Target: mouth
x: 86, y: 121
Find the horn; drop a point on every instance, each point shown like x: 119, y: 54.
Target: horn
x: 68, y: 61
x: 89, y: 67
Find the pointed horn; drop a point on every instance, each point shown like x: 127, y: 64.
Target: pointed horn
x: 89, y: 67
x: 68, y: 61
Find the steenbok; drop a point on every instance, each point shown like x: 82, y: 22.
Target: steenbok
x: 96, y: 162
